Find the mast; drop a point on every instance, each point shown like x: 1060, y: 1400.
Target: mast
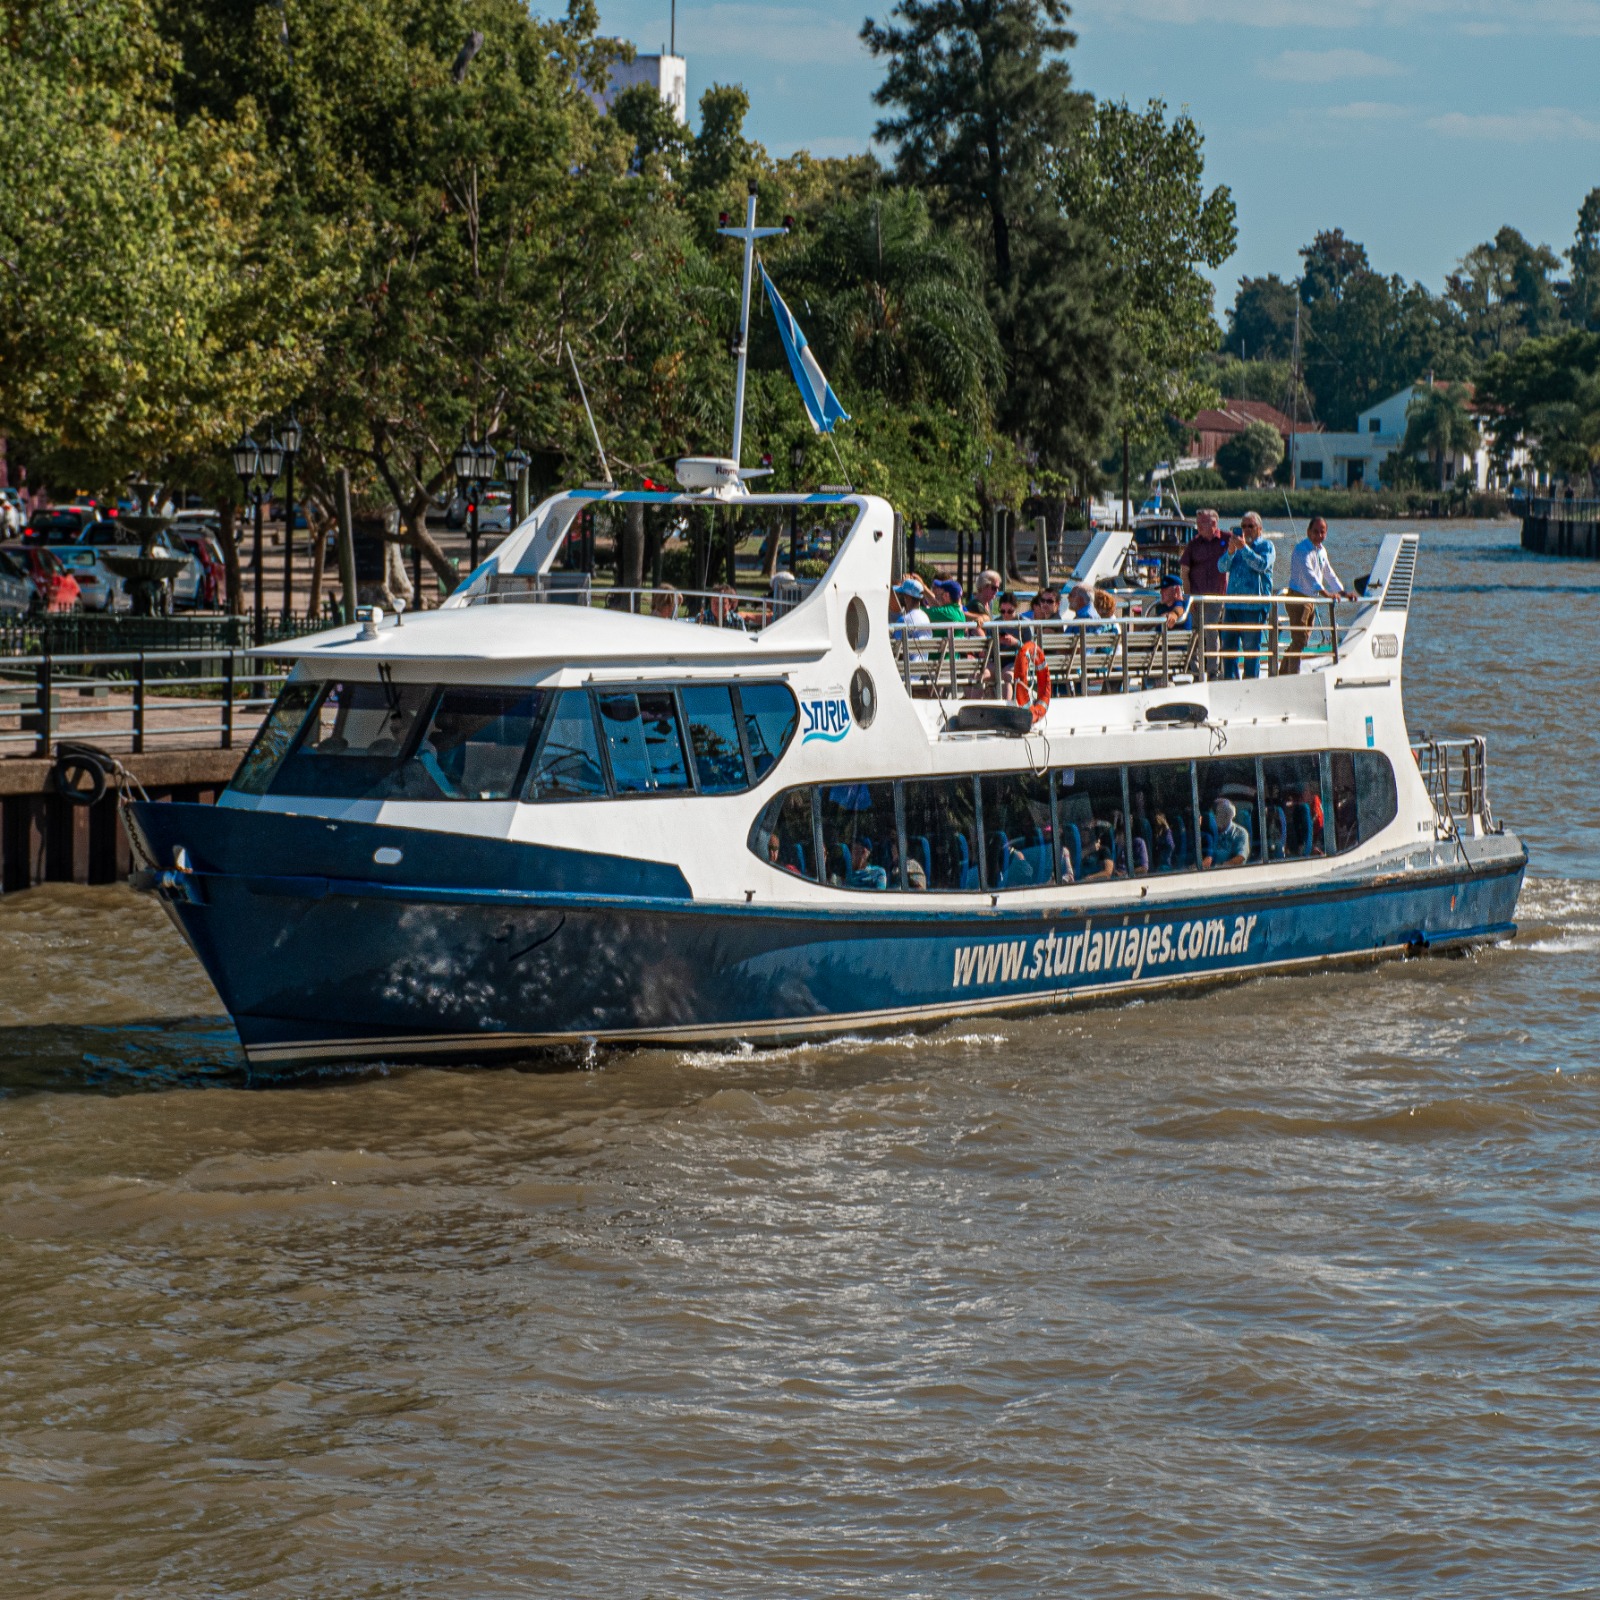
x: 749, y: 233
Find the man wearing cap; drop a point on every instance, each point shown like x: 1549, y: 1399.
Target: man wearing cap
x: 909, y: 620
x: 947, y: 605
x: 1173, y: 606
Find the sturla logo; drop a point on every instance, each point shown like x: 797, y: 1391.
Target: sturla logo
x: 1120, y: 950
x: 825, y: 719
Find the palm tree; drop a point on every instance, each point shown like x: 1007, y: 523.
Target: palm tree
x: 897, y: 306
x: 1439, y: 424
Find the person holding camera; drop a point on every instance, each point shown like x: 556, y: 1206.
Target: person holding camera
x: 1248, y: 563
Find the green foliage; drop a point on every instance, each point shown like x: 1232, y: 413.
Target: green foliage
x: 1547, y: 393
x: 1138, y: 184
x: 1198, y: 478
x: 1582, y: 295
x: 1248, y: 457
x: 899, y: 305
x: 1505, y: 293
x: 1261, y: 321
x: 985, y: 113
x: 149, y: 302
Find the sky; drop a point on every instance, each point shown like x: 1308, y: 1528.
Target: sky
x: 1420, y: 127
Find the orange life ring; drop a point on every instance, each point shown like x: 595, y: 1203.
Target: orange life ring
x: 1030, y: 679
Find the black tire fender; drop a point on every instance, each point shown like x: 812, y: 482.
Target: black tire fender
x: 80, y: 773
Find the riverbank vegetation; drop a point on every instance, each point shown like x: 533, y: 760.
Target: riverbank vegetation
x: 397, y: 217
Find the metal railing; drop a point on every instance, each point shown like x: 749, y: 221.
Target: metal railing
x: 714, y: 607
x: 133, y: 701
x: 1556, y: 508
x: 1455, y: 773
x: 1225, y: 637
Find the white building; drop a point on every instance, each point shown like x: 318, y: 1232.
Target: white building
x: 1351, y: 460
x: 667, y: 75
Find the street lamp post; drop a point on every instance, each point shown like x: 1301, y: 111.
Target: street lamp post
x: 291, y: 448
x: 246, y: 460
x: 269, y: 460
x: 466, y: 465
x: 517, y: 463
x: 488, y: 461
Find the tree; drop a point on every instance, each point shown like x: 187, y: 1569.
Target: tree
x: 148, y: 302
x: 1505, y: 292
x: 1374, y: 340
x: 1582, y: 295
x: 1261, y: 322
x: 985, y: 114
x: 1329, y: 262
x: 1246, y: 458
x: 900, y: 306
x: 1439, y: 426
x: 1546, y: 395
x: 1138, y: 184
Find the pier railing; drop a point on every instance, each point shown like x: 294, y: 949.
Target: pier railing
x: 134, y: 701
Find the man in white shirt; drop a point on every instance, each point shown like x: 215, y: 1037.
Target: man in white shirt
x: 1310, y: 574
x: 908, y: 620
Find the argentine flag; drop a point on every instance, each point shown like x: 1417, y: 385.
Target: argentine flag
x: 821, y: 403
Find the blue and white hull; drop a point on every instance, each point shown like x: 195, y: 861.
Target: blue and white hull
x: 317, y: 962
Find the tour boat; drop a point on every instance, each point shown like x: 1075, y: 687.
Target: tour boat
x: 528, y: 820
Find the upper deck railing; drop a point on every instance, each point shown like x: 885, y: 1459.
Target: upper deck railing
x: 1224, y: 637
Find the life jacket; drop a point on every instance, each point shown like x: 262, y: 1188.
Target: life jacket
x: 1030, y: 679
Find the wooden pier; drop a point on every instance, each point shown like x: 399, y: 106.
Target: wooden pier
x: 47, y: 839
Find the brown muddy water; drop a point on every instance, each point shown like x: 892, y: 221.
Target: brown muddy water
x: 1291, y: 1288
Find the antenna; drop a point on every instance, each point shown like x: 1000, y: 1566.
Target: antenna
x: 604, y: 467
x: 749, y: 233
x: 1294, y: 391
x: 672, y: 49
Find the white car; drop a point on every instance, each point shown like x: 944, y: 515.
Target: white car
x: 495, y: 512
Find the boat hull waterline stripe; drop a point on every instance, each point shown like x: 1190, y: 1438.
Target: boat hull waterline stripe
x: 298, y: 972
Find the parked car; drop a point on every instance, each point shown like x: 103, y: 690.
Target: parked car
x: 200, y: 540
x: 495, y: 512
x: 59, y: 524
x: 54, y: 587
x: 17, y: 596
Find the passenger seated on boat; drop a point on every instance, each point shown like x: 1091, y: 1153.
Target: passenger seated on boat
x: 907, y: 619
x: 722, y: 609
x: 664, y: 602
x: 1100, y: 859
x: 863, y: 874
x: 775, y: 855
x: 985, y: 588
x: 1165, y: 847
x: 1173, y: 606
x: 947, y: 607
x: 1046, y: 607
x: 1231, y: 846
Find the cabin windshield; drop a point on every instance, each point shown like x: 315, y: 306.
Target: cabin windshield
x: 406, y: 741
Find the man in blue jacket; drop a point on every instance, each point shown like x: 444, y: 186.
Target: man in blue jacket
x: 1248, y: 563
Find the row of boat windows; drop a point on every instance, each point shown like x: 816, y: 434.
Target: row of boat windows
x: 1022, y: 830
x: 402, y: 741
